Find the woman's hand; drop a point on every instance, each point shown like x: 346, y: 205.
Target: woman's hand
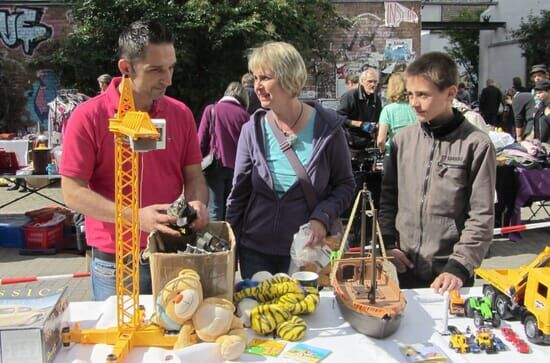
x: 318, y: 233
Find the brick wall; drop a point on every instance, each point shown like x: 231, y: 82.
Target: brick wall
x: 26, y: 31
x: 381, y: 36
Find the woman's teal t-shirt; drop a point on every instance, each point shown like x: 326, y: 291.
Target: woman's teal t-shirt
x: 281, y: 171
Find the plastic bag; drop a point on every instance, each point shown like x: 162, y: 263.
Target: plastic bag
x: 300, y: 254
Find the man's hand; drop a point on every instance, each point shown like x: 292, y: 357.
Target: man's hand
x: 202, y: 214
x: 446, y: 282
x: 400, y: 260
x: 318, y: 233
x: 154, y: 218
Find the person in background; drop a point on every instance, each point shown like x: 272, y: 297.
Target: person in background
x: 436, y: 209
x: 542, y: 115
x: 361, y: 106
x: 229, y: 117
x: 396, y: 115
x: 352, y: 81
x: 525, y: 105
x: 247, y: 80
x: 489, y: 102
x: 516, y: 85
x: 103, y: 81
x: 148, y: 58
x: 508, y: 114
x: 462, y: 94
x: 267, y: 203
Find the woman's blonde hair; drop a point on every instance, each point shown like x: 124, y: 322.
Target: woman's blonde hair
x: 397, y: 89
x: 284, y: 61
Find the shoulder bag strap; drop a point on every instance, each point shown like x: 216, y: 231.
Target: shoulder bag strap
x: 299, y: 169
x: 212, y: 131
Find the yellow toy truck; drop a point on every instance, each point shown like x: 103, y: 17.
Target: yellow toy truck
x: 522, y: 293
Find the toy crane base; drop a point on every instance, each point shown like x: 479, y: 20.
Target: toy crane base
x: 122, y: 340
x: 146, y: 336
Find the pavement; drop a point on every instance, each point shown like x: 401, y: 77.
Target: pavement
x: 503, y: 253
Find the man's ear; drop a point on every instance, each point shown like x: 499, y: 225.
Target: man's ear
x: 124, y: 66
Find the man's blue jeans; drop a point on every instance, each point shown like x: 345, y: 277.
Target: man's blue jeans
x: 104, y: 279
x: 219, y: 180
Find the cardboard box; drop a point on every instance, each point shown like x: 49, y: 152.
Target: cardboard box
x: 30, y: 325
x: 217, y: 270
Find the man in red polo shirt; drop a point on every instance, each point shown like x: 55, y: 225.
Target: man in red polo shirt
x: 147, y: 57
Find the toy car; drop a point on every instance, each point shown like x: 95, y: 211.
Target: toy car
x: 509, y: 334
x: 472, y: 344
x: 499, y: 344
x: 459, y: 344
x: 521, y: 346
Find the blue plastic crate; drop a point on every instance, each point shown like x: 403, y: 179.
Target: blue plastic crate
x: 11, y: 230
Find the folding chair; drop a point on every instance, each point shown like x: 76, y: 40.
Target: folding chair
x: 536, y: 206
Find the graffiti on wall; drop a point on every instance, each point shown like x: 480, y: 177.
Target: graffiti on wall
x: 397, y: 51
x: 23, y: 28
x: 43, y: 91
x: 376, y: 39
x: 397, y: 13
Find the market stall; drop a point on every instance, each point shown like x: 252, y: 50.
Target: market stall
x: 326, y: 329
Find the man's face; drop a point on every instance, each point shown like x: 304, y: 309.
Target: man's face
x: 544, y: 96
x: 428, y: 102
x: 539, y: 76
x: 152, y: 74
x: 369, y: 83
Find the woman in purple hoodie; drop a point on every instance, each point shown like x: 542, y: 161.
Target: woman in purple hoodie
x: 267, y: 204
x: 230, y: 114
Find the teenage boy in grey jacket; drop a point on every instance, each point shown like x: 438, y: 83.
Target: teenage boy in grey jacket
x: 436, y: 208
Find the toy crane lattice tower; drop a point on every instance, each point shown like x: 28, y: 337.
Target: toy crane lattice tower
x: 134, y: 131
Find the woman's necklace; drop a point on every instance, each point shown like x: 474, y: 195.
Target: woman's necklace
x: 287, y: 133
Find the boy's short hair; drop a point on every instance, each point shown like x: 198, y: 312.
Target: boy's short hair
x: 437, y: 67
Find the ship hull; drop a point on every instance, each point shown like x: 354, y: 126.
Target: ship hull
x: 369, y: 325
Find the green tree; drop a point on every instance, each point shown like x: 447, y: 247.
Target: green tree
x: 533, y: 36
x: 464, y: 46
x: 212, y: 38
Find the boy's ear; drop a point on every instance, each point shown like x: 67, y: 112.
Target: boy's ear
x: 452, y: 91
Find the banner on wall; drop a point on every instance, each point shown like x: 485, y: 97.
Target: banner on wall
x: 396, y: 13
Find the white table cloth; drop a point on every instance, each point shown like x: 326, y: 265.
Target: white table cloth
x: 326, y: 329
x: 19, y: 147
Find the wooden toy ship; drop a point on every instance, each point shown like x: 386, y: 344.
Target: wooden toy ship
x: 369, y: 299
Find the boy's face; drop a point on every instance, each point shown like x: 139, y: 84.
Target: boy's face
x: 427, y: 100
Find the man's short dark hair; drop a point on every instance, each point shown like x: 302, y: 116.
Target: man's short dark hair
x: 436, y: 66
x: 134, y: 38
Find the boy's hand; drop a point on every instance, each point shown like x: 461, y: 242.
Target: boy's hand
x: 446, y: 282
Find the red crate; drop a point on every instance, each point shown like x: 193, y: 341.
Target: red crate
x: 43, y: 237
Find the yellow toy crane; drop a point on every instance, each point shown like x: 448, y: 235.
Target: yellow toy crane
x: 134, y: 131
x: 522, y: 293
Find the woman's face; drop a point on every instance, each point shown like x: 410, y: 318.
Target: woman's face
x: 269, y: 89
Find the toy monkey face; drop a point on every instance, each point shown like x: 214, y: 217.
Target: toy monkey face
x: 185, y: 303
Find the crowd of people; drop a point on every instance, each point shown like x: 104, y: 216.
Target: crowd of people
x: 280, y: 162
